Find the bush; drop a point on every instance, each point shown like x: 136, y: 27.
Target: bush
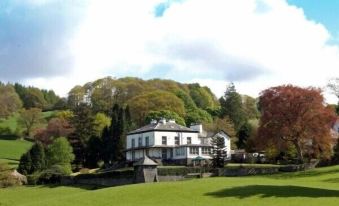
x: 6, y: 177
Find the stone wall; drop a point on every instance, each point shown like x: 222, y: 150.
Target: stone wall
x: 232, y: 172
x: 106, y: 182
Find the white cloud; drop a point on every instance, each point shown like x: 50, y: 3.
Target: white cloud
x: 256, y: 43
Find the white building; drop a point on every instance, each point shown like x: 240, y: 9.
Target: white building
x: 169, y: 142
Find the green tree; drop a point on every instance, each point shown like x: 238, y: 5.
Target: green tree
x: 29, y: 119
x: 94, y: 152
x: 9, y: 100
x: 37, y: 154
x: 243, y: 134
x: 218, y: 152
x: 82, y: 121
x: 250, y: 107
x: 157, y: 115
x: 33, y: 98
x: 197, y: 116
x: 100, y: 122
x: 60, y: 153
x: 25, y: 164
x: 202, y: 96
x: 231, y: 106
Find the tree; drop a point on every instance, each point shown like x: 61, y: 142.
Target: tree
x: 9, y: 100
x: 60, y: 153
x: 25, y: 164
x: 82, y: 122
x: 157, y: 115
x: 197, y: 116
x: 29, y: 119
x: 100, y: 122
x: 296, y: 115
x: 93, y: 152
x: 231, y: 106
x: 113, y: 137
x: 57, y: 127
x: 33, y: 98
x: 224, y: 124
x: 250, y: 107
x: 218, y: 152
x: 335, y: 157
x: 37, y: 154
x: 243, y: 135
x: 141, y: 105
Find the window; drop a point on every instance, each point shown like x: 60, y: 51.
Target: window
x: 147, y: 152
x: 176, y: 141
x: 147, y: 141
x: 164, y: 153
x: 133, y: 155
x: 206, y: 150
x: 139, y: 142
x: 189, y: 140
x: 133, y: 143
x: 180, y: 151
x: 194, y: 150
x: 164, y: 140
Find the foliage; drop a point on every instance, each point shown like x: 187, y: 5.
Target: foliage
x: 82, y: 122
x: 6, y: 178
x: 243, y: 135
x: 60, y: 153
x: 37, y: 155
x: 29, y: 119
x: 100, y: 122
x: 218, y: 152
x: 296, y: 115
x: 52, y: 175
x: 25, y: 164
x: 335, y: 157
x: 113, y: 137
x: 57, y: 127
x: 167, y: 114
x: 231, y: 106
x: 197, y: 116
x: 141, y: 105
x: 202, y: 96
x: 94, y: 152
x: 9, y: 100
x: 225, y: 125
x: 250, y: 107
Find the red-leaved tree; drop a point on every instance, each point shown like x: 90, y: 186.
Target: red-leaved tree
x: 297, y: 116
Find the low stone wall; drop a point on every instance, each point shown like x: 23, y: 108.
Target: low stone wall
x: 171, y: 178
x: 233, y: 172
x: 106, y: 182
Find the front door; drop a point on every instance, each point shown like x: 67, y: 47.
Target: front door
x: 164, y: 154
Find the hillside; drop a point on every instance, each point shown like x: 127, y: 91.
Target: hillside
x: 11, y: 150
x: 317, y: 187
x: 191, y: 102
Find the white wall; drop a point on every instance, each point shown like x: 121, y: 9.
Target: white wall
x: 136, y: 139
x: 171, y: 137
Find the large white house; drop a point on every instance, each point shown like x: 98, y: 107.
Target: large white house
x: 166, y: 141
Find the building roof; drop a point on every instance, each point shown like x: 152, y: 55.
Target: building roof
x: 168, y: 126
x: 145, y: 161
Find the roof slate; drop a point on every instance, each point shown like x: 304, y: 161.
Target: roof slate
x: 168, y: 126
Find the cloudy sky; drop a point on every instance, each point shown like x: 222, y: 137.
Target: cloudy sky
x: 56, y: 44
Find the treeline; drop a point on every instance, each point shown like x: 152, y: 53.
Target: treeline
x: 15, y: 96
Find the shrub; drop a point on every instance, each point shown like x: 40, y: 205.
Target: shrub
x: 6, y: 177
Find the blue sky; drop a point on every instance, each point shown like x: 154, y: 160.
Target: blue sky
x: 323, y: 11
x: 56, y: 44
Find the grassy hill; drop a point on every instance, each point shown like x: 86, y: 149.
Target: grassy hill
x: 317, y: 187
x: 11, y: 150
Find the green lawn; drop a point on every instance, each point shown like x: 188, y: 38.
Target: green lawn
x: 316, y: 187
x: 11, y: 150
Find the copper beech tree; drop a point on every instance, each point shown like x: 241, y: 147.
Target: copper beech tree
x: 297, y: 116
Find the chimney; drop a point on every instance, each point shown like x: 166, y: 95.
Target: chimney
x: 171, y: 121
x: 153, y: 121
x: 197, y: 127
x: 162, y: 121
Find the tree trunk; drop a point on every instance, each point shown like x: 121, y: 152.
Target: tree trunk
x: 300, y: 152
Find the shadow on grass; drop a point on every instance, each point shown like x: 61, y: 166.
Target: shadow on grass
x: 84, y: 187
x: 265, y: 191
x: 332, y: 180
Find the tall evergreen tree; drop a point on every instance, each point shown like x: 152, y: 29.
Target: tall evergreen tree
x: 82, y: 121
x: 243, y: 135
x: 25, y: 164
x: 218, y: 152
x: 231, y: 106
x: 37, y: 154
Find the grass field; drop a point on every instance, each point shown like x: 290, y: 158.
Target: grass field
x: 317, y: 187
x: 11, y: 150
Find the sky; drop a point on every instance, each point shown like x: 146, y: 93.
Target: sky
x: 257, y: 44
